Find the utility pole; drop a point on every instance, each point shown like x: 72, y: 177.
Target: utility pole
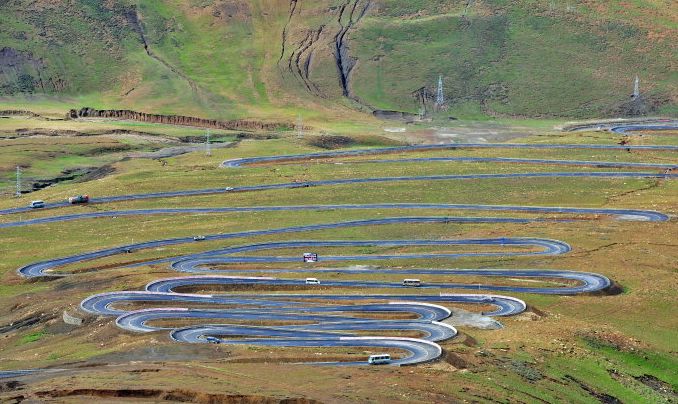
x: 440, y: 96
x: 208, y: 146
x: 300, y: 126
x: 18, y: 180
x: 636, y: 88
x: 424, y: 97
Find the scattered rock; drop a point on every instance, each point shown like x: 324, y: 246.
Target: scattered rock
x: 527, y: 316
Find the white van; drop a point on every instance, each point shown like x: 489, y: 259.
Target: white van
x: 37, y: 204
x: 411, y: 282
x: 380, y: 359
x: 312, y: 281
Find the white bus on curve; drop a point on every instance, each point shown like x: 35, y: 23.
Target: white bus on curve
x: 312, y: 281
x: 380, y: 359
x: 411, y: 282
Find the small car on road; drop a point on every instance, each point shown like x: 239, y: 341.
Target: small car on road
x: 198, y: 238
x: 37, y: 204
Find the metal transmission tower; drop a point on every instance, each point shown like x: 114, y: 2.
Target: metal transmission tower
x: 300, y: 126
x: 440, y: 96
x: 208, y: 145
x: 18, y: 180
x: 636, y: 88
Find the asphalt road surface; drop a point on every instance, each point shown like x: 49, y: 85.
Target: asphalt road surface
x: 292, y: 185
x: 543, y: 246
x: 455, y: 146
x: 321, y: 319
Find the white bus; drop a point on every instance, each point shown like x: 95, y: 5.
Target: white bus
x: 312, y: 281
x: 379, y: 359
x: 411, y: 282
x: 310, y: 257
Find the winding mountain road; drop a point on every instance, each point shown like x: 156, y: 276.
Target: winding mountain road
x: 456, y: 146
x: 317, y: 319
x: 291, y: 185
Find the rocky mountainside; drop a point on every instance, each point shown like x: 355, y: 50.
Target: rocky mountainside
x: 227, y: 58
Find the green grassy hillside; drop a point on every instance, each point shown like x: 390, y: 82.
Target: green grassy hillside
x: 527, y: 58
x: 268, y: 59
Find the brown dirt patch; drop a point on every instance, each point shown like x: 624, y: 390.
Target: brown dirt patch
x: 177, y: 395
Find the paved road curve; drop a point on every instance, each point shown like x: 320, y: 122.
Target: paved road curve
x: 270, y: 307
x: 450, y: 146
x: 547, y: 247
x: 292, y: 185
x: 624, y: 214
x: 325, y: 321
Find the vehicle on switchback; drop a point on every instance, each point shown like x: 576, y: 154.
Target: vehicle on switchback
x: 78, y: 199
x: 411, y: 282
x: 36, y: 204
x: 213, y: 340
x: 381, y: 359
x: 301, y: 183
x: 310, y: 257
x: 312, y: 281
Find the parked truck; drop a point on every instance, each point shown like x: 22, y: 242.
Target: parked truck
x: 78, y: 199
